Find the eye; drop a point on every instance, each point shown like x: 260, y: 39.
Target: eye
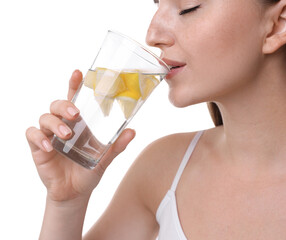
x: 189, y: 10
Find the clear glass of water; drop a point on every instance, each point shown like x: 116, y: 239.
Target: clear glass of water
x: 121, y: 78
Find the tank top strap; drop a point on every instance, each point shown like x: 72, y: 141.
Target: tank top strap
x: 185, y: 160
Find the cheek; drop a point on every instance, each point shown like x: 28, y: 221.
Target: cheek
x: 222, y: 51
x: 226, y: 50
x: 226, y: 38
x: 222, y: 54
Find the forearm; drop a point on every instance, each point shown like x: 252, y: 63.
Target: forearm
x: 64, y: 220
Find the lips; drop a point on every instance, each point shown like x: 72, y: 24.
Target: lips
x: 175, y: 67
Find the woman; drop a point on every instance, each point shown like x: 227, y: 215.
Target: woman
x: 228, y: 182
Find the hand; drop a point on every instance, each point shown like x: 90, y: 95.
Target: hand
x: 64, y: 179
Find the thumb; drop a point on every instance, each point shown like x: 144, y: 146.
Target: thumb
x: 123, y: 140
x: 117, y: 147
x: 74, y: 83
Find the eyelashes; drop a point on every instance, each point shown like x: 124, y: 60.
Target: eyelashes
x: 185, y: 11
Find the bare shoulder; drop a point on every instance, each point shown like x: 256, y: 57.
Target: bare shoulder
x: 141, y: 191
x: 156, y: 166
x: 152, y: 173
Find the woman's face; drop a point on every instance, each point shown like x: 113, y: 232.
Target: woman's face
x: 217, y: 46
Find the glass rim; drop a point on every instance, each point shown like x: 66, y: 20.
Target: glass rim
x: 141, y: 46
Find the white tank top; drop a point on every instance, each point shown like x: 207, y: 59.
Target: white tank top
x: 167, y: 213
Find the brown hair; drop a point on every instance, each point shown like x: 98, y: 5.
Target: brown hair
x: 271, y: 1
x: 213, y: 108
x: 215, y: 114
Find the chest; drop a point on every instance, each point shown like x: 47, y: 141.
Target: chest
x: 230, y: 210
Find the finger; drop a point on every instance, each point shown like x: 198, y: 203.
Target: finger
x: 38, y: 140
x: 123, y: 140
x: 74, y: 83
x: 64, y: 109
x: 117, y: 147
x: 50, y: 125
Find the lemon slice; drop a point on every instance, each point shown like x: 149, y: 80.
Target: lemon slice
x: 108, y: 82
x: 89, y: 79
x: 131, y: 81
x: 104, y: 82
x: 128, y: 99
x: 127, y: 105
x: 147, y: 84
x: 105, y: 104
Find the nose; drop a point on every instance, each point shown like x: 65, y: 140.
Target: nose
x: 160, y: 31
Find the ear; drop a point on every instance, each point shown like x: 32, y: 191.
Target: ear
x: 276, y: 36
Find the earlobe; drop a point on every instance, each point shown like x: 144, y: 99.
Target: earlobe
x: 277, y: 37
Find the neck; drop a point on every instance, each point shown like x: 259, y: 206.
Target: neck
x: 254, y: 120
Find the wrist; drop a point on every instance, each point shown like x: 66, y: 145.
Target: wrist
x: 76, y: 202
x: 64, y: 219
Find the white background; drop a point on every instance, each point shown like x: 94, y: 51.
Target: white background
x: 41, y: 43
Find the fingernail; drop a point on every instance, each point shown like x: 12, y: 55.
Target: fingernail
x: 72, y: 111
x: 64, y: 130
x: 76, y: 71
x: 47, y: 146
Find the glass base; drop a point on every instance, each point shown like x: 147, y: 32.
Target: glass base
x: 76, y: 155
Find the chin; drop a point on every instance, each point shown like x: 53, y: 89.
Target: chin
x: 181, y: 99
x: 178, y: 101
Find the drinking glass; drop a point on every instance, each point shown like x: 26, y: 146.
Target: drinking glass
x: 121, y: 78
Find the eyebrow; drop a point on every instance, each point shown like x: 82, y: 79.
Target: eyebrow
x: 156, y: 1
